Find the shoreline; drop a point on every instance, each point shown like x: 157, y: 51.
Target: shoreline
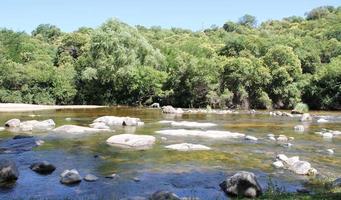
x: 20, y: 107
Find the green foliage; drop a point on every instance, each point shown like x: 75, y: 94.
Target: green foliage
x: 277, y: 64
x: 301, y: 107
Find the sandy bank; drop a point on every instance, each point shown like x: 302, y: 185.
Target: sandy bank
x: 18, y: 107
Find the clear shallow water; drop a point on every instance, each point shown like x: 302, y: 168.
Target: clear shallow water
x: 185, y: 173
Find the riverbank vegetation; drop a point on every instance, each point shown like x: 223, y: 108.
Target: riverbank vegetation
x: 275, y: 64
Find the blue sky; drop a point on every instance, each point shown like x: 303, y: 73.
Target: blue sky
x: 25, y: 15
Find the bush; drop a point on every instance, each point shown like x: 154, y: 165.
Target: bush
x: 302, y: 108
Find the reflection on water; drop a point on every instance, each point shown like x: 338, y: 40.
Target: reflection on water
x: 185, y: 173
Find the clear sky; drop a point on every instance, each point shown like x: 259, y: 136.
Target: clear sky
x: 25, y: 15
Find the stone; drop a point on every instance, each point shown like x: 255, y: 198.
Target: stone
x: 204, y: 134
x: 18, y: 144
x: 119, y: 121
x: 270, y: 135
x: 278, y: 164
x: 282, y: 138
x: 12, y: 123
x: 242, y: 184
x: 187, y: 147
x: 282, y: 157
x: 155, y: 105
x: 171, y: 110
x: 290, y: 161
x: 330, y: 151
x: 44, y: 125
x: 306, y: 117
x: 132, y: 141
x: 70, y: 177
x: 77, y: 130
x: 193, y: 124
x: 299, y: 128
x: 90, y: 178
x: 322, y: 120
x: 2, y: 128
x: 164, y: 195
x: 9, y: 172
x: 286, y: 114
x: 43, y: 167
x: 327, y: 135
x: 272, y: 138
x: 300, y: 167
x: 99, y: 125
x: 249, y: 137
x: 336, y: 183
x: 288, y: 145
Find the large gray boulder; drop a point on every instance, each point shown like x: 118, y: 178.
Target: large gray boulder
x: 9, y: 172
x: 164, y: 195
x: 70, y: 177
x: 132, y: 141
x: 242, y: 184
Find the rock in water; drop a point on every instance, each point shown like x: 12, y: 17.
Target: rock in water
x: 76, y: 130
x: 90, y: 178
x: 242, y: 184
x: 164, y: 195
x: 249, y: 137
x: 43, y: 167
x: 8, y: 172
x: 306, y: 117
x: 188, y: 147
x: 132, y: 141
x: 70, y: 177
x: 12, y: 123
x: 299, y: 128
x: 171, y: 110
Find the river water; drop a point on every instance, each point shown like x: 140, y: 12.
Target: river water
x: 188, y: 174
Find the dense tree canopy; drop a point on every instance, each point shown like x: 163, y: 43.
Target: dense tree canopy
x: 276, y: 64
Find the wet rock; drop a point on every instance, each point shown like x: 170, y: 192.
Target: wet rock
x: 90, y: 178
x: 12, y: 123
x: 136, y: 179
x: 18, y: 144
x: 295, y: 165
x: 270, y: 135
x: 282, y: 157
x: 287, y: 114
x: 249, y: 137
x: 43, y: 167
x: 296, y: 112
x: 299, y: 128
x: 322, y: 120
x: 112, y: 176
x: 119, y: 121
x: 187, y: 147
x: 164, y: 195
x: 9, y: 172
x: 336, y: 183
x: 171, y: 110
x: 272, y: 138
x: 288, y: 145
x: 131, y: 141
x: 70, y: 177
x: 306, y: 117
x: 155, y: 105
x: 44, y: 125
x: 68, y: 119
x: 2, y: 128
x: 99, y: 125
x: 242, y: 184
x: 204, y: 134
x: 282, y: 138
x: 278, y: 164
x: 76, y: 130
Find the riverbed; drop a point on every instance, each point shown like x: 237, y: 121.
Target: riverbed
x: 187, y: 174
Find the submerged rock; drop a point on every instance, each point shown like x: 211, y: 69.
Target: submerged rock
x: 90, y: 178
x: 164, y: 195
x: 43, y: 167
x: 205, y: 134
x: 119, y: 121
x: 322, y: 120
x: 19, y: 144
x: 76, y: 130
x: 155, y: 105
x: 306, y: 117
x: 187, y: 147
x: 299, y: 128
x: 131, y: 141
x: 9, y: 172
x: 242, y: 184
x: 70, y: 177
x: 31, y: 125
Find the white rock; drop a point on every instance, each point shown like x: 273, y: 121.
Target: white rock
x: 205, y: 134
x: 271, y: 135
x: 77, y: 130
x: 99, y: 125
x: 301, y: 167
x: 131, y: 141
x: 322, y: 120
x: 249, y: 137
x: 282, y: 138
x: 282, y: 157
x: 290, y: 161
x: 330, y: 151
x: 287, y: 145
x: 68, y: 119
x: 278, y: 164
x: 116, y: 121
x: 192, y: 124
x: 299, y: 128
x: 291, y: 138
x: 43, y: 125
x: 336, y: 132
x: 2, y: 128
x: 272, y: 138
x: 12, y: 123
x: 187, y: 147
x: 306, y: 117
x: 327, y: 135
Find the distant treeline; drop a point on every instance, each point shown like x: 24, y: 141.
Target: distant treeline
x: 275, y: 64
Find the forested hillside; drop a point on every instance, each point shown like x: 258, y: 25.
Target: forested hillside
x: 275, y: 64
